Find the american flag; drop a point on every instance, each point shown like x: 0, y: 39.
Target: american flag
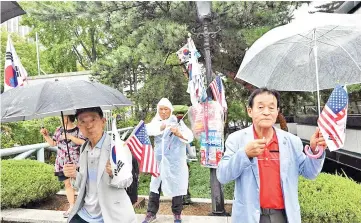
x: 218, y: 92
x: 332, y: 120
x: 140, y: 145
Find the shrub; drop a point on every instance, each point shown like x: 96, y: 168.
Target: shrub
x: 25, y: 181
x: 144, y: 182
x: 330, y: 198
x: 26, y: 132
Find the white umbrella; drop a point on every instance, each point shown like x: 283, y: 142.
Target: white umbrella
x: 310, y: 54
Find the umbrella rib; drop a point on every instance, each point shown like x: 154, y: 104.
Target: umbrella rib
x: 342, y: 29
x: 309, y: 40
x: 326, y: 32
x: 326, y: 43
x: 302, y: 43
x: 345, y: 52
x: 305, y: 37
x: 340, y: 35
x: 291, y: 42
x: 283, y: 56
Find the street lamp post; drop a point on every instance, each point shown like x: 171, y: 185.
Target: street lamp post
x: 204, y: 14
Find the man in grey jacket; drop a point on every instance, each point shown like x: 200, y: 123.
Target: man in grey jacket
x: 99, y: 200
x: 265, y: 162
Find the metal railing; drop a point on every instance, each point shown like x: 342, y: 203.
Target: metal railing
x: 26, y: 151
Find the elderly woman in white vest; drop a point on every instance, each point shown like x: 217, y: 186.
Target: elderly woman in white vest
x: 170, y: 139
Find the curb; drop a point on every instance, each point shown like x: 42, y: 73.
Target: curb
x: 164, y: 198
x: 194, y: 200
x: 47, y: 216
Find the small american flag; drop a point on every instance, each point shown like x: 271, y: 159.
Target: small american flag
x: 218, y: 92
x: 141, y: 147
x: 332, y: 120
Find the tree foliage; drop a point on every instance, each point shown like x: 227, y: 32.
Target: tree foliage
x: 147, y: 32
x: 131, y: 45
x: 26, y: 132
x: 65, y: 34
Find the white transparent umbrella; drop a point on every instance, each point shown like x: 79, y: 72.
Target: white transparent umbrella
x: 312, y: 53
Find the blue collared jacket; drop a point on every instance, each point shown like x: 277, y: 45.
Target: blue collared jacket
x: 235, y: 165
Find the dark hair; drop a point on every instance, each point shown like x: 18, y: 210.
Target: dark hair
x: 71, y: 118
x: 92, y: 109
x: 261, y: 91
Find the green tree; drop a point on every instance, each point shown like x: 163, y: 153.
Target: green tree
x: 68, y: 36
x: 133, y: 43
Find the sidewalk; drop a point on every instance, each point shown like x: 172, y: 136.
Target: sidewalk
x: 46, y: 216
x: 163, y: 198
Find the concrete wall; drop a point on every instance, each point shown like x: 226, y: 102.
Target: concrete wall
x: 82, y: 75
x: 13, y: 26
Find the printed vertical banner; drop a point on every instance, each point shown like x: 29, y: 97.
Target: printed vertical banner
x: 211, y: 151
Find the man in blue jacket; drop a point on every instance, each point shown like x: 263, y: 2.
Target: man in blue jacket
x: 265, y: 162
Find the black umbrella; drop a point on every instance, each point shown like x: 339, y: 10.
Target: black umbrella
x: 10, y: 10
x: 58, y: 98
x: 52, y: 98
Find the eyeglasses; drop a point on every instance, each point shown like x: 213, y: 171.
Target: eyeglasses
x: 88, y: 121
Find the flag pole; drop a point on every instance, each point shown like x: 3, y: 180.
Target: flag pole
x: 38, y: 60
x: 37, y: 52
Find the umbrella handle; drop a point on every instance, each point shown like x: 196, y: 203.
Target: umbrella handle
x: 66, y: 139
x: 72, y: 180
x: 314, y: 156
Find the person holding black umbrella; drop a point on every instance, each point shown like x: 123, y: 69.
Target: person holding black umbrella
x: 74, y: 140
x: 88, y: 98
x: 100, y: 198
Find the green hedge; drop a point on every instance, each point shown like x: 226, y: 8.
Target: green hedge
x: 25, y: 181
x: 330, y: 198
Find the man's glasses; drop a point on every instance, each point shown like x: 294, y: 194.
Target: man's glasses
x: 88, y: 121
